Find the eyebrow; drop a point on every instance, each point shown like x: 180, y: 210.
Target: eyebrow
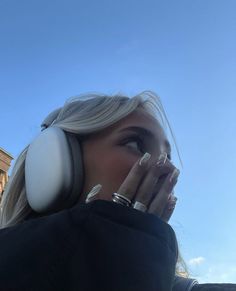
x: 145, y: 132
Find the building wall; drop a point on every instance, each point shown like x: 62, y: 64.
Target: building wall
x: 5, y: 163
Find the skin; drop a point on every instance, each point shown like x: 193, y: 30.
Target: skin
x: 111, y: 158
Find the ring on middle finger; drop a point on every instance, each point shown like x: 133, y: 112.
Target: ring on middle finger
x: 139, y: 206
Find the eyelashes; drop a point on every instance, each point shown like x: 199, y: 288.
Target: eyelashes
x: 134, y: 139
x: 141, y: 144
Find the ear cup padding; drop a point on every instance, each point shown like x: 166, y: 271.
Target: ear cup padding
x: 50, y: 171
x: 77, y: 167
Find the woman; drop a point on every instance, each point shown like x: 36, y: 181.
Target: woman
x: 89, y: 200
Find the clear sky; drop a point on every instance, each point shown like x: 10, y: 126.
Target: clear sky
x: 183, y: 50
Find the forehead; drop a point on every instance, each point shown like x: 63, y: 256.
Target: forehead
x: 141, y: 118
x: 140, y: 115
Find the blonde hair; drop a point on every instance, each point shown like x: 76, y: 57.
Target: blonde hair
x: 81, y: 115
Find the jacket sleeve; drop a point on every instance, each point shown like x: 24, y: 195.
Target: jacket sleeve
x: 188, y: 284
x: 95, y: 246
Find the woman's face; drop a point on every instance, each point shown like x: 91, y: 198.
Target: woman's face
x: 110, y: 154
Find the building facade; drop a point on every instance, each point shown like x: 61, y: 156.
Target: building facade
x: 5, y: 163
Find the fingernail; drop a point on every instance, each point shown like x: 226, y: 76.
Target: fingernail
x: 172, y: 198
x: 144, y: 159
x: 94, y: 191
x: 162, y: 159
x: 174, y: 175
x: 172, y: 202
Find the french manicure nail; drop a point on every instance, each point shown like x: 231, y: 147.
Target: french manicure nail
x: 94, y: 191
x: 174, y: 175
x: 144, y: 159
x: 172, y: 202
x: 172, y: 198
x: 162, y: 159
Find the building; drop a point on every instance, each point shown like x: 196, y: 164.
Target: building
x: 5, y: 162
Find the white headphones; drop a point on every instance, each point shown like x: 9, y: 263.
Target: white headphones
x: 53, y: 170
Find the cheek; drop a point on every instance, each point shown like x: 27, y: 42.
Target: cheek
x: 116, y: 169
x: 108, y: 167
x: 113, y: 172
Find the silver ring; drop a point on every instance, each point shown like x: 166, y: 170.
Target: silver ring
x: 139, y: 206
x: 118, y: 198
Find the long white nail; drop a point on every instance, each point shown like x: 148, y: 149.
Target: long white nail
x: 174, y: 175
x: 172, y: 202
x: 94, y: 191
x: 162, y: 159
x: 173, y: 199
x: 144, y: 159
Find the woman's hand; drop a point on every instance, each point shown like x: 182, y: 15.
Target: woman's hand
x: 150, y: 182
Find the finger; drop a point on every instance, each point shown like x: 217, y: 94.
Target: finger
x: 158, y: 204
x: 163, y: 168
x: 146, y: 188
x: 169, y: 209
x: 150, y: 184
x: 94, y: 193
x: 129, y: 187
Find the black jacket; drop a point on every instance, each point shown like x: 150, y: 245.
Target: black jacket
x: 96, y: 246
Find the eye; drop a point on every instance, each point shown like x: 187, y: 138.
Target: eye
x: 134, y: 143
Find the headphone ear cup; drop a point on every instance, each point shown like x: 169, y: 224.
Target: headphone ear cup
x: 49, y: 171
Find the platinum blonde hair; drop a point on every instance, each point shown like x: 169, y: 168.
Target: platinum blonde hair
x: 81, y: 115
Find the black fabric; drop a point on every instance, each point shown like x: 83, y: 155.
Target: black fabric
x: 95, y: 246
x: 214, y: 287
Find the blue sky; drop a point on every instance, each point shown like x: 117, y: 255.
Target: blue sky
x: 183, y: 50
